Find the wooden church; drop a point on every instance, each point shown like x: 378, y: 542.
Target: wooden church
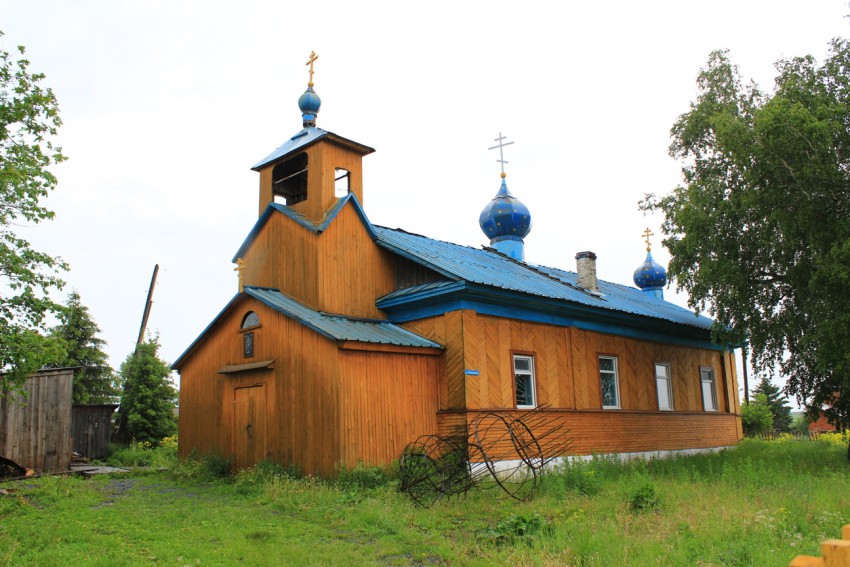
x: 348, y: 340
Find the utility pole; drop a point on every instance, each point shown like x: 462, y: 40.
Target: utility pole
x: 148, y: 304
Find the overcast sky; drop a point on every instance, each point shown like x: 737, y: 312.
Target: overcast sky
x: 166, y: 106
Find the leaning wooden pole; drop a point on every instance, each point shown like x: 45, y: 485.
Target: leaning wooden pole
x: 746, y: 378
x: 148, y: 304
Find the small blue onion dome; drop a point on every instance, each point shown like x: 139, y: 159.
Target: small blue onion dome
x: 650, y: 274
x: 309, y: 104
x: 505, y: 217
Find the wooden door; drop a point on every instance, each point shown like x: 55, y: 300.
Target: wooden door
x: 249, y: 426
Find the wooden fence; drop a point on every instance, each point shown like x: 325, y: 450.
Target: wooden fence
x: 35, y: 428
x: 91, y: 429
x: 836, y: 553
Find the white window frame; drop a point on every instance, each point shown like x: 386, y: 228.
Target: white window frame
x: 518, y: 373
x: 616, y: 374
x: 706, y: 378
x: 667, y: 386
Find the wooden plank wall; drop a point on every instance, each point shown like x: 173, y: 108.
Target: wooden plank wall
x: 566, y: 365
x: 601, y: 431
x: 35, y: 429
x: 387, y: 401
x: 301, y: 390
x: 339, y: 271
x: 284, y: 256
x: 352, y: 269
x: 91, y: 429
x: 324, y: 407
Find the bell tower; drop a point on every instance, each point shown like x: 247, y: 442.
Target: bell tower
x: 314, y: 168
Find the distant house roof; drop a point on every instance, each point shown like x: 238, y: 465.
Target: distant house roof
x: 487, y: 267
x: 307, y: 137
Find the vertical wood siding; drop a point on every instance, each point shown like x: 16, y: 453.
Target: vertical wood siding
x: 352, y: 270
x: 324, y: 407
x: 338, y: 271
x: 387, y: 400
x: 35, y: 429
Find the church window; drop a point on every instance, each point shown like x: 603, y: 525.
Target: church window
x: 610, y: 382
x: 248, y: 344
x: 709, y: 392
x: 663, y: 383
x: 342, y: 182
x: 250, y: 320
x: 289, y: 180
x: 524, y: 381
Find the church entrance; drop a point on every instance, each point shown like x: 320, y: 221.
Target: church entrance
x: 249, y: 426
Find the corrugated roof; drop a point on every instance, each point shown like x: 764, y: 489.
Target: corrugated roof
x: 488, y: 267
x: 338, y: 327
x: 306, y: 137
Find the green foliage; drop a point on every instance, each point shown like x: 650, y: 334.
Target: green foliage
x: 148, y: 401
x: 516, y: 529
x: 756, y: 417
x: 644, y: 497
x: 582, y: 477
x: 778, y: 404
x: 95, y: 382
x: 29, y: 117
x: 144, y: 454
x: 800, y: 425
x: 363, y: 477
x: 759, y: 233
x: 210, y: 466
x: 762, y: 503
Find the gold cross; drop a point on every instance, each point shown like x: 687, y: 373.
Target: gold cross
x: 646, y: 234
x: 313, y: 57
x: 240, y: 265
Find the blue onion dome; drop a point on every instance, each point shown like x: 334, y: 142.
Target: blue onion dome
x: 309, y: 104
x: 650, y: 274
x: 505, y: 217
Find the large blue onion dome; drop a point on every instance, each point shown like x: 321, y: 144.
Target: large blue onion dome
x: 505, y: 217
x: 650, y: 275
x: 309, y: 104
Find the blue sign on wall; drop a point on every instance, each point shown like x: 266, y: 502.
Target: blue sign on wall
x: 471, y: 372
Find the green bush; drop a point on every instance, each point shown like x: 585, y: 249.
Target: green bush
x: 582, y: 477
x: 756, y: 417
x: 363, y: 477
x: 516, y: 529
x: 210, y: 466
x: 144, y: 454
x: 644, y: 497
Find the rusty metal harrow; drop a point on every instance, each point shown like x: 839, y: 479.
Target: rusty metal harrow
x: 495, y: 450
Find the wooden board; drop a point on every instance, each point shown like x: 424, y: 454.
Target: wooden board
x: 35, y: 428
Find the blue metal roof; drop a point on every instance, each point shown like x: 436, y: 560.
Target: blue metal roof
x: 339, y: 327
x: 488, y: 267
x: 306, y: 137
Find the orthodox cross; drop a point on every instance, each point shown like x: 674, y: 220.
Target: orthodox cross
x: 646, y: 234
x: 240, y: 265
x: 310, y: 61
x: 501, y: 146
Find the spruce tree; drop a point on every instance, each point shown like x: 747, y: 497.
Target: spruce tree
x: 94, y: 382
x: 777, y: 403
x: 147, y: 405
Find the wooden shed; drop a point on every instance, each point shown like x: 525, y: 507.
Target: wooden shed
x: 91, y: 429
x: 35, y: 427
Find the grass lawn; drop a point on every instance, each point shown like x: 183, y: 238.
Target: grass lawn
x: 759, y: 504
